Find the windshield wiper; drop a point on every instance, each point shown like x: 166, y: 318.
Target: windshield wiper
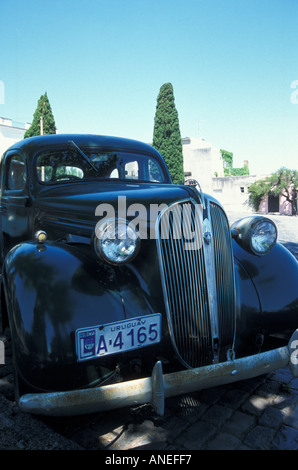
x: 72, y: 144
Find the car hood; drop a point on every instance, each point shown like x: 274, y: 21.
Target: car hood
x: 77, y: 207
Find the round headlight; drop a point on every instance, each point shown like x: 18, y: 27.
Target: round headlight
x: 263, y: 237
x: 256, y: 234
x: 116, y: 241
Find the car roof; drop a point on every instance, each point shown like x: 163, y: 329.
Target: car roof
x: 33, y: 144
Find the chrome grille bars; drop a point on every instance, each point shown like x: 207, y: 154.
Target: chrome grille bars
x: 198, y: 284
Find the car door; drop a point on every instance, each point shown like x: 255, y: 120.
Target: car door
x: 15, y: 210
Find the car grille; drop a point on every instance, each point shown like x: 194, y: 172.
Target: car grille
x: 224, y: 274
x: 198, y: 282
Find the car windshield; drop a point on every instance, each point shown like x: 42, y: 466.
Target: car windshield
x: 70, y: 165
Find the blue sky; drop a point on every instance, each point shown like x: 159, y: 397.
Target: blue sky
x: 102, y: 63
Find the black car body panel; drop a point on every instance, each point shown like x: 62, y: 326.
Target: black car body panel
x: 275, y: 281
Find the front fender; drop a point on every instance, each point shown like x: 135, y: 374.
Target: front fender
x: 275, y: 277
x: 50, y: 291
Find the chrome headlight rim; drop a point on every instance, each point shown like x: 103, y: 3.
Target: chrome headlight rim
x: 250, y: 234
x: 112, y: 249
x: 261, y: 238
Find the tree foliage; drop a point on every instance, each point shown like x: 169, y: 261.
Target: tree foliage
x: 166, y: 135
x: 43, y: 109
x: 228, y: 161
x: 239, y: 171
x: 283, y: 182
x: 228, y: 165
x: 256, y: 192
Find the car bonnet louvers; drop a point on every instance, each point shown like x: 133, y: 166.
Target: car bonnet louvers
x: 198, y: 281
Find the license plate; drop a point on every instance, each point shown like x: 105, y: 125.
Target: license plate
x: 118, y: 337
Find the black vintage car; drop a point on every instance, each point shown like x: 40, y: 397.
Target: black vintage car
x: 121, y: 288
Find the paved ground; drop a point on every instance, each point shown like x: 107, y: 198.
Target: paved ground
x: 254, y: 414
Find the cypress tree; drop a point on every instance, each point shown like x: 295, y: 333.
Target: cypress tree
x: 166, y: 134
x: 43, y: 109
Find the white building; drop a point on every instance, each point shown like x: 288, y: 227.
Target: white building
x: 10, y: 133
x: 232, y: 192
x: 203, y: 162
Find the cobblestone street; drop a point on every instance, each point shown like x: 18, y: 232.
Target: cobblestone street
x: 253, y: 414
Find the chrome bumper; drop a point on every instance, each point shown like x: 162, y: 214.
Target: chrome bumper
x: 156, y: 388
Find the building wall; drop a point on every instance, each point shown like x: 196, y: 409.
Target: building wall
x: 232, y: 192
x: 10, y: 133
x: 201, y: 161
x: 285, y: 207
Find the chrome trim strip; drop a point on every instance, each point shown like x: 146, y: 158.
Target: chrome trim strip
x: 212, y: 288
x: 218, y: 254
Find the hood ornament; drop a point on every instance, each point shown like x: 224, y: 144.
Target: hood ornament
x: 194, y: 184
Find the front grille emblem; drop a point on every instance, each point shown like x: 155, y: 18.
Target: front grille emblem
x: 207, y: 231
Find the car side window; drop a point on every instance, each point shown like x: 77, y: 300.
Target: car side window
x: 131, y: 170
x: 16, y: 175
